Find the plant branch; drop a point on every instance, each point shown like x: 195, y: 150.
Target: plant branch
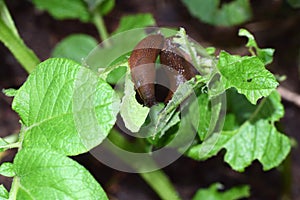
x: 289, y: 95
x: 99, y: 23
x: 161, y: 184
x: 157, y: 180
x: 11, y: 146
x: 11, y: 39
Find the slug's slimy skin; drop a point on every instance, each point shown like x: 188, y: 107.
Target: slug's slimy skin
x: 176, y: 63
x: 177, y: 67
x: 142, y: 66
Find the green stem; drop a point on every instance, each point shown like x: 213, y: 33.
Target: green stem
x: 161, y: 184
x: 286, y: 173
x: 99, y: 23
x: 11, y: 39
x: 14, y: 188
x: 157, y: 180
x: 11, y: 146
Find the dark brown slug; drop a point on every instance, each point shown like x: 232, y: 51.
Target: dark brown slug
x: 142, y: 65
x: 177, y: 66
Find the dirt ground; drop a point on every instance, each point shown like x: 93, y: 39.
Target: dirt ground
x: 274, y: 24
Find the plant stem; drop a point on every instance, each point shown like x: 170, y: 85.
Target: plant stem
x: 161, y: 184
x: 11, y: 39
x: 20, y: 51
x: 11, y: 146
x: 14, y: 188
x: 157, y: 180
x: 286, y: 172
x: 99, y: 23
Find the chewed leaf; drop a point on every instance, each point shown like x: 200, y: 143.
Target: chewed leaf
x: 259, y: 141
x: 257, y: 138
x: 266, y: 55
x: 65, y: 107
x: 50, y: 175
x: 133, y: 113
x: 248, y: 75
x: 213, y: 192
x: 268, y: 145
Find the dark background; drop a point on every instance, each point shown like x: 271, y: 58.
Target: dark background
x: 275, y: 24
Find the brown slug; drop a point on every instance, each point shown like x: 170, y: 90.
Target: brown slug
x: 177, y: 66
x: 142, y: 66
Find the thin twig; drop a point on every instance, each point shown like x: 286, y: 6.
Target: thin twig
x: 288, y: 95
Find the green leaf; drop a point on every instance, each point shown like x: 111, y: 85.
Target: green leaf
x: 7, y: 20
x: 266, y: 55
x: 257, y: 139
x: 75, y: 47
x: 239, y: 106
x: 106, y: 6
x: 204, y: 115
x: 2, y: 144
x: 50, y: 175
x: 9, y: 92
x: 213, y: 193
x: 267, y: 145
x: 103, y: 6
x: 116, y: 75
x: 199, y: 56
x: 92, y: 4
x: 11, y: 39
x: 65, y: 107
x: 64, y: 9
x: 294, y: 3
x: 252, y: 141
x: 247, y: 74
x: 227, y: 14
x: 133, y: 113
x: 3, y: 193
x: 7, y: 169
x: 182, y: 93
x: 270, y: 109
x: 135, y: 21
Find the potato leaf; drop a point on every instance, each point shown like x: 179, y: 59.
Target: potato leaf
x: 75, y: 47
x: 266, y: 55
x: 65, y: 107
x: 135, y: 21
x: 6, y: 169
x: 247, y: 74
x: 64, y: 9
x: 3, y: 193
x: 257, y: 138
x: 212, y: 12
x: 213, y: 193
x: 133, y: 113
x: 50, y: 175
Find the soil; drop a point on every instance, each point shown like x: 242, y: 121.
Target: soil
x: 275, y: 24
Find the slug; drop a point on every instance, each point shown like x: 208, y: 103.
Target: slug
x: 177, y: 66
x: 142, y: 66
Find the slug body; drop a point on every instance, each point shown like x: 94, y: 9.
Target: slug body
x: 142, y: 66
x: 177, y: 66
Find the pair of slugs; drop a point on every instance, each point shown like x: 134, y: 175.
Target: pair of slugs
x: 142, y: 65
